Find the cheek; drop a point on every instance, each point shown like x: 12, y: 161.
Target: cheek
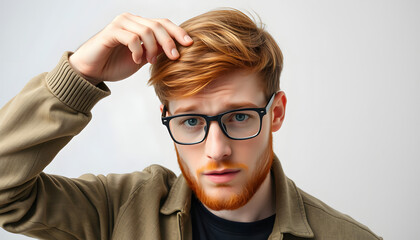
x: 250, y: 151
x: 189, y: 156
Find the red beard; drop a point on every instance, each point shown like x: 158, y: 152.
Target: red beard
x: 236, y: 200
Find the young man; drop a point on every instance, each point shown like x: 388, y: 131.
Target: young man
x: 217, y: 76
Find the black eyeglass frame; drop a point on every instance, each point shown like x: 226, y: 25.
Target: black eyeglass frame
x: 261, y: 112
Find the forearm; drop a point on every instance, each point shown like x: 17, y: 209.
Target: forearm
x: 34, y: 126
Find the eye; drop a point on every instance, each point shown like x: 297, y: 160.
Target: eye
x: 191, y: 122
x: 240, y: 117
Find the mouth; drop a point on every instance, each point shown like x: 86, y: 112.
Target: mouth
x: 221, y: 176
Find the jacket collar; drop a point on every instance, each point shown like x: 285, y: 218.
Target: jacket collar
x: 290, y: 212
x: 179, y: 198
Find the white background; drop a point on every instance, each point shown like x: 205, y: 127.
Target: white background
x: 351, y: 75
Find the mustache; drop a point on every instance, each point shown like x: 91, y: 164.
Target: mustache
x: 214, y: 166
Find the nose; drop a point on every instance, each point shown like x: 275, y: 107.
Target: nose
x: 217, y: 145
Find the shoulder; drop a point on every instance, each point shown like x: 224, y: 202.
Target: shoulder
x: 152, y: 176
x: 153, y: 182
x: 327, y: 222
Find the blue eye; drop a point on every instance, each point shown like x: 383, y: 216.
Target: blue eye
x: 241, y: 117
x: 191, y: 122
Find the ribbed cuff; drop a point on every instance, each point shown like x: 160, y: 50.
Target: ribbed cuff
x: 72, y: 89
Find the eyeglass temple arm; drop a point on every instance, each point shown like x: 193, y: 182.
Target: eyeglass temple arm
x: 270, y: 102
x: 164, y: 110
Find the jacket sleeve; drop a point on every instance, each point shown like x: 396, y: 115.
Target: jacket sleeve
x: 51, y: 109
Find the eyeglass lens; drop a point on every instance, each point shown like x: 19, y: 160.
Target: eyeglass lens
x: 239, y: 124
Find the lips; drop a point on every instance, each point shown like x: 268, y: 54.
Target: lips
x: 221, y: 176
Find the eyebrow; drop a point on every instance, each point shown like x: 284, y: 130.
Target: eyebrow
x: 227, y: 107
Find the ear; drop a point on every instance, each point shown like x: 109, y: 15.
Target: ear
x: 161, y: 108
x: 278, y: 110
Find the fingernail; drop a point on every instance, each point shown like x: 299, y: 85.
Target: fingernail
x: 174, y: 52
x: 187, y: 38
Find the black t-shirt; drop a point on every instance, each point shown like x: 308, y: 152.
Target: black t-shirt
x: 207, y: 226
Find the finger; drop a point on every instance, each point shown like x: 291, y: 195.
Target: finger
x: 176, y: 32
x: 132, y: 41
x: 145, y: 34
x: 164, y: 31
x: 161, y: 35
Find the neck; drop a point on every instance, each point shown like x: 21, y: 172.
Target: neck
x: 261, y: 205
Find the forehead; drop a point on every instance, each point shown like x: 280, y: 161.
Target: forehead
x: 232, y: 89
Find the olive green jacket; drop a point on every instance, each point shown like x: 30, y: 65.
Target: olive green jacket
x: 152, y: 204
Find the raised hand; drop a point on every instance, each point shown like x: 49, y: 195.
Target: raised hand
x: 125, y: 45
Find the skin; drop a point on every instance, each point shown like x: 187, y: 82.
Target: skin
x: 128, y: 43
x: 125, y: 45
x: 241, y: 89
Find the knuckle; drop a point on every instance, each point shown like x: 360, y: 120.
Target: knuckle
x: 155, y: 25
x: 168, y: 42
x: 147, y: 30
x: 133, y: 39
x: 112, y: 28
x: 165, y: 20
x: 118, y: 18
x: 122, y: 17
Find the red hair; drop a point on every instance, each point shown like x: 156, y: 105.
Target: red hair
x: 224, y: 40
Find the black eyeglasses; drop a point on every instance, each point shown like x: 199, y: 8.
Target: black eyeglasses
x: 239, y: 124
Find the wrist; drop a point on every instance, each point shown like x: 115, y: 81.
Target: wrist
x: 77, y: 69
x: 72, y: 89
